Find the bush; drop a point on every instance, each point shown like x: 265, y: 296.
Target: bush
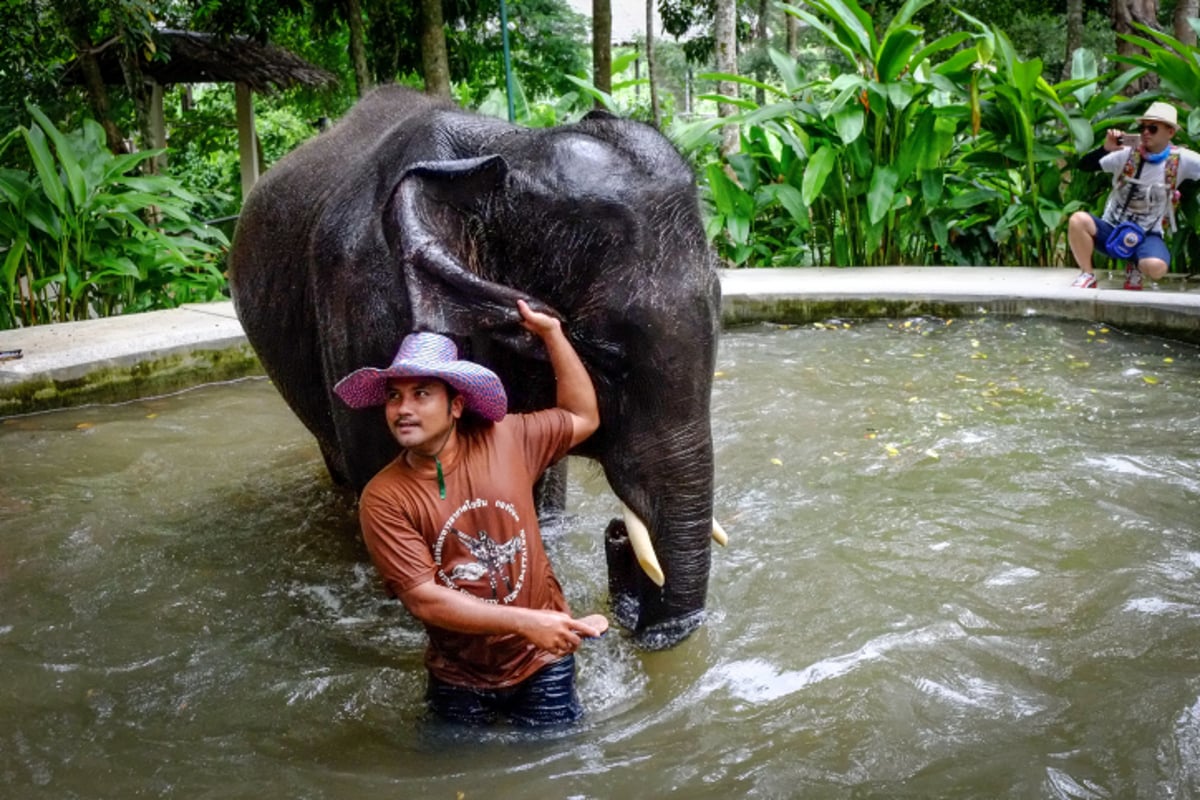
x: 82, y: 234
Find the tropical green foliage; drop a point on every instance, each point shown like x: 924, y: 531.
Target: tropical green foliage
x: 950, y: 151
x: 74, y: 237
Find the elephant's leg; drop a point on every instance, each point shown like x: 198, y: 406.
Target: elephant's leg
x: 624, y: 575
x: 550, y: 494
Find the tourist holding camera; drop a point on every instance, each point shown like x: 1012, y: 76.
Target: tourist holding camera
x: 1147, y: 170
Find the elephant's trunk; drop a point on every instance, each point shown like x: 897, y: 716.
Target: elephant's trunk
x: 667, y: 486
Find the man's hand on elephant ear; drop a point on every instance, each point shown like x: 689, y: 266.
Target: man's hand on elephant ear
x: 536, y: 321
x: 542, y: 308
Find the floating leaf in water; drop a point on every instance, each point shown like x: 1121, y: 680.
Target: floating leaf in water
x: 944, y: 417
x: 777, y: 462
x: 918, y: 355
x: 914, y: 399
x: 932, y: 454
x: 964, y: 378
x: 85, y: 426
x: 151, y: 415
x: 1168, y: 360
x: 979, y: 356
x: 892, y: 452
x: 1091, y: 332
x: 1076, y: 364
x: 871, y: 433
x: 1104, y: 330
x: 1150, y: 379
x: 975, y: 343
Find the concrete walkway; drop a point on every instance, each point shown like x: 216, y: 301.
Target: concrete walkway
x: 119, y: 358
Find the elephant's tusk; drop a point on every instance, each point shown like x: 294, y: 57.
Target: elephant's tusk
x: 639, y: 537
x: 719, y: 534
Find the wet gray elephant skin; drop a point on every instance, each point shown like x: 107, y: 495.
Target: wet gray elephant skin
x: 411, y: 214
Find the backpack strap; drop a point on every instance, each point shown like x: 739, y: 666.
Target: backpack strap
x: 1130, y: 169
x: 1172, y: 178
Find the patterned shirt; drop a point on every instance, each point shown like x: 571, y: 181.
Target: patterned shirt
x: 483, y: 540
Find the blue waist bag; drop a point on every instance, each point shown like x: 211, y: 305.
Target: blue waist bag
x: 1124, y: 240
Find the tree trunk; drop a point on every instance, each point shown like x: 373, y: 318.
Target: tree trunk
x: 1124, y: 13
x: 1185, y: 9
x: 1074, y: 34
x: 72, y: 16
x: 602, y: 46
x: 141, y: 90
x: 655, y: 114
x: 725, y: 36
x: 434, y: 61
x: 358, y: 50
x: 793, y: 35
x: 761, y: 43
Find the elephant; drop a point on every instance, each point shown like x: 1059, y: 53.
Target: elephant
x: 412, y: 214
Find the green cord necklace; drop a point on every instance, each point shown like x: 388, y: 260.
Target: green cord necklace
x: 437, y: 462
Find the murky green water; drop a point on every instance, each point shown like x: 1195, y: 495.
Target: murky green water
x: 964, y: 562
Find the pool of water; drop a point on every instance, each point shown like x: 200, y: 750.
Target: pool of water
x: 963, y: 562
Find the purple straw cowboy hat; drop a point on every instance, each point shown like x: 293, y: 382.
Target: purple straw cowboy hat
x: 428, y: 355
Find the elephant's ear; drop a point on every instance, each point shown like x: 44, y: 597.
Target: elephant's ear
x: 434, y: 208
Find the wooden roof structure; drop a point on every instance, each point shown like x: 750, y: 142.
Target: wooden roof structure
x: 195, y: 57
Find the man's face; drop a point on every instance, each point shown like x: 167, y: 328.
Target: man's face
x: 1155, y: 135
x: 420, y: 412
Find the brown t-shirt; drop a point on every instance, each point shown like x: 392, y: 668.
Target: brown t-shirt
x: 483, y: 540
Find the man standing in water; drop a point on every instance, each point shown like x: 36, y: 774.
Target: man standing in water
x: 451, y: 525
x: 1147, y: 175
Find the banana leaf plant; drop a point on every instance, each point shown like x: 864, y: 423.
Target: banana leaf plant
x: 83, y: 233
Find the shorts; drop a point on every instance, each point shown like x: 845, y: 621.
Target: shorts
x: 547, y: 697
x: 1152, y: 246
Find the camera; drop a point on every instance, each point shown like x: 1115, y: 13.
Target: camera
x: 1130, y: 140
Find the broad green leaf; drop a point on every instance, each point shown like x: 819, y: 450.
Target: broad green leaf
x: 788, y: 69
x: 713, y: 226
x: 881, y: 194
x: 901, y: 94
x: 43, y: 162
x: 623, y: 62
x: 743, y: 80
x: 68, y: 158
x: 1084, y: 67
x: 931, y: 187
x: 1051, y: 217
x: 819, y: 166
x: 849, y: 123
x: 791, y: 199
x: 907, y: 12
x: 897, y: 47
x: 739, y: 229
x: 14, y: 186
x: 1026, y: 75
x: 948, y: 42
x: 962, y: 61
x: 816, y: 24
x: 745, y: 169
x: 12, y: 261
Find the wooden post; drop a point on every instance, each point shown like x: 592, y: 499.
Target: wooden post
x: 158, y: 128
x: 247, y: 138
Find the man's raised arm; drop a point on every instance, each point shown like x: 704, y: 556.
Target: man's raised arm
x: 576, y: 394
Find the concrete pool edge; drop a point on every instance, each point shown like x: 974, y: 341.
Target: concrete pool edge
x: 140, y: 355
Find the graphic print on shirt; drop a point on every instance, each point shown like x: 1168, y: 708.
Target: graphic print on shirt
x: 488, y: 565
